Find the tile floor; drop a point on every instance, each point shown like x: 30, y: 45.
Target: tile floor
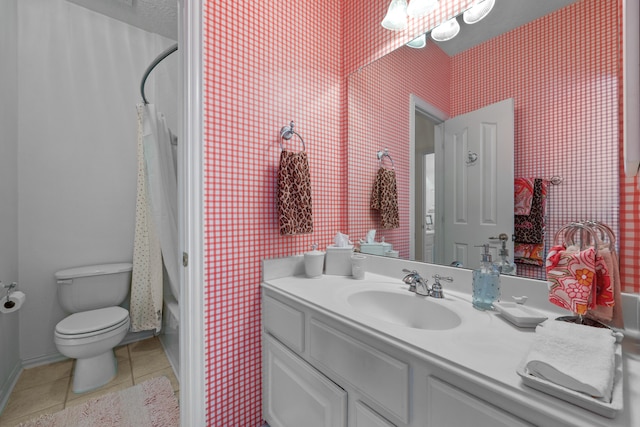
x: 46, y: 389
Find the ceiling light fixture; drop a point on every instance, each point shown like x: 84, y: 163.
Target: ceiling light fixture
x: 418, y: 8
x: 419, y: 42
x: 478, y: 11
x: 396, y: 17
x: 446, y: 31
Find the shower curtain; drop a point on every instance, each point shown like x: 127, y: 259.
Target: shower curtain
x: 156, y: 231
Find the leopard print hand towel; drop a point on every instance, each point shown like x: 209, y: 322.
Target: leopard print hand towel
x: 384, y: 198
x: 294, y: 194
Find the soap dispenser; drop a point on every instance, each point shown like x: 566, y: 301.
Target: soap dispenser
x: 504, y: 265
x: 486, y: 282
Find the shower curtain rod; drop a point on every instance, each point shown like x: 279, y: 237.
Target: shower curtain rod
x: 150, y: 68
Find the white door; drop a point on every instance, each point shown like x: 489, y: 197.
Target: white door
x: 478, y: 183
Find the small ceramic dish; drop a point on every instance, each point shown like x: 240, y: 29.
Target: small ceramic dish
x: 519, y: 315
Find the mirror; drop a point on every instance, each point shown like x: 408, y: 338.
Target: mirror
x: 562, y: 72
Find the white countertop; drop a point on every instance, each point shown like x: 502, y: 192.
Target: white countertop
x: 484, y: 346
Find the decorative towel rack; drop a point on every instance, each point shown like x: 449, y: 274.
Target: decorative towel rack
x: 287, y: 132
x: 556, y: 180
x: 385, y: 153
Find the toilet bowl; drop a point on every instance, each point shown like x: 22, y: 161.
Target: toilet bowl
x: 97, y: 323
x: 89, y: 337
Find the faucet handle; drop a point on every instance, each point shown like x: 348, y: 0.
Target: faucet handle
x: 438, y: 277
x: 436, y: 288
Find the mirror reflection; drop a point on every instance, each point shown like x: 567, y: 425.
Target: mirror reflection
x: 561, y: 73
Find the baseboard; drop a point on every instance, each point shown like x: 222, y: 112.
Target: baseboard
x: 136, y: 336
x: 43, y: 360
x: 56, y: 357
x: 9, y: 384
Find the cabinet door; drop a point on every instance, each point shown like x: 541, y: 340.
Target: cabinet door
x: 367, y: 417
x: 296, y: 395
x: 450, y: 406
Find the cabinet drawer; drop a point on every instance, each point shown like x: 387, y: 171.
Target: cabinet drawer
x: 296, y: 395
x: 284, y: 322
x: 380, y: 377
x: 449, y: 406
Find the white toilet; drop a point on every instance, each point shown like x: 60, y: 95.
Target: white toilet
x: 97, y: 325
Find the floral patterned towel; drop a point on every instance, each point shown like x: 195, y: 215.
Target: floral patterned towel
x: 530, y: 228
x: 571, y: 277
x: 529, y: 253
x: 523, y: 195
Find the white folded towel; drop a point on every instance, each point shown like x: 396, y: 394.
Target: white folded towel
x: 578, y: 357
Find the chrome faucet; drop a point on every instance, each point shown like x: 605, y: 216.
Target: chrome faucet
x: 419, y: 285
x: 416, y: 283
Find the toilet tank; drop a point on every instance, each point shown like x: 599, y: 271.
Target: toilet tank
x: 93, y: 286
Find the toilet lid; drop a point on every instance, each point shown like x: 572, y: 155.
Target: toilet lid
x: 92, y: 320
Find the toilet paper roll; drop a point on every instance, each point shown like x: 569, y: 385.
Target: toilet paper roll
x: 17, y: 298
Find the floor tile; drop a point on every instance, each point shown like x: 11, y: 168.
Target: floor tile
x: 122, y: 353
x: 36, y: 398
x: 149, y: 362
x: 44, y: 374
x: 144, y: 347
x: 47, y: 388
x: 6, y: 422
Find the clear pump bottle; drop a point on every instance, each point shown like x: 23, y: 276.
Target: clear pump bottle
x: 504, y: 264
x: 486, y: 283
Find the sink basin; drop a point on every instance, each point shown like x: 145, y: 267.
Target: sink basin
x: 408, y: 309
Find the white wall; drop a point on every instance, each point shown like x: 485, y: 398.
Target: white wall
x: 79, y: 75
x: 9, y: 336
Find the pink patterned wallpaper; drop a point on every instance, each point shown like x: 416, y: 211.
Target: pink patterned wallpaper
x: 379, y: 118
x: 270, y: 62
x: 266, y: 63
x: 562, y: 72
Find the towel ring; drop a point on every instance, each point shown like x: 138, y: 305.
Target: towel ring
x: 287, y: 132
x: 569, y: 232
x: 385, y: 153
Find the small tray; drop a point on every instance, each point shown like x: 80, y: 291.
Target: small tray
x: 519, y: 315
x: 599, y: 406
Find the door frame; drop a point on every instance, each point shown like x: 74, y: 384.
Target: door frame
x: 190, y: 216
x: 418, y: 105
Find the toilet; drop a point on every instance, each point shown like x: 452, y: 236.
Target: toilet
x: 97, y: 324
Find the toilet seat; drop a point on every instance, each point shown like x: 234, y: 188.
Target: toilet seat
x: 92, y: 322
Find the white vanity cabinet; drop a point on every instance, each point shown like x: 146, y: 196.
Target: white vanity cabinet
x: 449, y: 406
x: 318, y: 371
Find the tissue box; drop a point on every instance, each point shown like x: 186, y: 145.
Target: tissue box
x: 337, y: 260
x: 378, y: 248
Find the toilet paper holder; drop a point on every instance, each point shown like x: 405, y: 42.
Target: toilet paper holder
x: 7, y: 302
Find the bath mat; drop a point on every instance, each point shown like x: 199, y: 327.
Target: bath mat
x: 151, y: 403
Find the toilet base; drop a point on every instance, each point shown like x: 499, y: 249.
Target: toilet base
x: 94, y: 372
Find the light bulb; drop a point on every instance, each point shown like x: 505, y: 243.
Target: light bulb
x: 446, y: 31
x: 396, y: 17
x: 419, y: 42
x: 418, y: 8
x: 478, y: 11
